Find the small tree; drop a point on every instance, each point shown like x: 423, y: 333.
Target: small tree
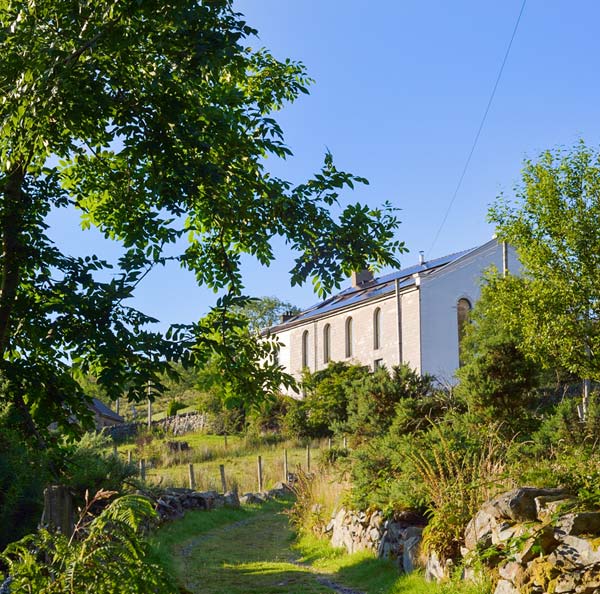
x: 496, y: 379
x: 555, y: 228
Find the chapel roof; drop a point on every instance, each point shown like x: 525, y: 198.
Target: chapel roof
x: 378, y: 287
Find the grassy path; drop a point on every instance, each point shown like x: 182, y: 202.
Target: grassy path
x: 252, y: 550
x: 248, y: 551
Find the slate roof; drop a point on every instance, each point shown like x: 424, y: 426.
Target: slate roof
x: 378, y: 287
x: 103, y: 410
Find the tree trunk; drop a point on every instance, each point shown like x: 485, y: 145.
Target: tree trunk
x: 12, y: 250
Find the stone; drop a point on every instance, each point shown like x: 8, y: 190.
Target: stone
x: 479, y: 530
x: 578, y: 551
x: 549, y: 505
x: 410, y: 553
x: 519, y: 504
x: 505, y: 587
x: 564, y: 583
x: 435, y: 569
x: 512, y: 571
x: 231, y: 499
x: 577, y: 523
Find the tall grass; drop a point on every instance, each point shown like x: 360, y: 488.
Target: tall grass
x: 457, y: 481
x: 318, y: 496
x: 207, y: 453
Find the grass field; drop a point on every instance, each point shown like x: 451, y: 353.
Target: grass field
x: 207, y: 453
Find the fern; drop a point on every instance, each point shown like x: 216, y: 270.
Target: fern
x: 106, y: 555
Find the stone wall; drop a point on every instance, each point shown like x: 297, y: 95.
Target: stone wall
x: 172, y: 503
x: 397, y: 538
x: 176, y: 425
x: 538, y: 542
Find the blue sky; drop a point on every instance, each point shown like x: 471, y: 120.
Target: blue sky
x: 400, y: 89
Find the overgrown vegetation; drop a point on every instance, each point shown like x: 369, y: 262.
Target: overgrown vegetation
x: 107, y: 554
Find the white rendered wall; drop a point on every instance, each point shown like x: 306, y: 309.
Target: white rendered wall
x: 363, y: 351
x: 440, y: 293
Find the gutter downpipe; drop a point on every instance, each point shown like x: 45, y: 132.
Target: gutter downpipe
x: 399, y: 317
x: 504, y: 259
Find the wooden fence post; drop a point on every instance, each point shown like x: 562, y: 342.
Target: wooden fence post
x: 329, y: 443
x: 286, y: 474
x: 192, y: 477
x: 58, y: 509
x: 223, y: 482
x: 308, y: 457
x: 260, y: 476
x: 129, y: 456
x: 143, y: 469
x: 345, y: 442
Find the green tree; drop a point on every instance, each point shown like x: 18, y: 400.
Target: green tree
x: 264, y: 312
x: 153, y: 119
x: 497, y: 379
x: 555, y: 228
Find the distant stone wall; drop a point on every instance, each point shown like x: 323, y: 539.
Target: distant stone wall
x: 175, y: 425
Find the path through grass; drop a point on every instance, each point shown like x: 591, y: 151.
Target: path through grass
x: 242, y: 551
x: 252, y: 550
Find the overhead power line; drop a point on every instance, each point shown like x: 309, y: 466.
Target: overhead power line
x: 476, y: 140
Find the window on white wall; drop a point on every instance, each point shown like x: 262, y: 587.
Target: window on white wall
x: 377, y: 329
x: 326, y: 343
x: 305, y: 349
x: 348, y: 337
x: 463, y: 309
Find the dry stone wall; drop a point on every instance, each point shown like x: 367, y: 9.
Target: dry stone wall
x: 175, y: 425
x: 397, y: 538
x: 537, y: 544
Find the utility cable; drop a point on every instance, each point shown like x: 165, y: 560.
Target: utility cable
x: 483, y: 119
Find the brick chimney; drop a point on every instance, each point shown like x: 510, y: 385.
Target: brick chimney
x: 362, y: 277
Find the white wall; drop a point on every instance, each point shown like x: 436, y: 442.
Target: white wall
x: 363, y: 351
x: 440, y: 293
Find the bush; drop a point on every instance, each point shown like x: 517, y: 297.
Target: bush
x: 174, y: 406
x: 497, y: 380
x: 90, y: 465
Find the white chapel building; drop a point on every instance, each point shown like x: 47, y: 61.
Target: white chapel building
x: 414, y: 316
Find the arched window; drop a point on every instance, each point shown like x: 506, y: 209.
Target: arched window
x: 377, y: 329
x: 348, y: 337
x: 463, y: 308
x: 326, y: 343
x: 305, y: 349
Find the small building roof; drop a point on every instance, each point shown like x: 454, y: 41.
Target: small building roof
x: 105, y: 411
x: 377, y: 287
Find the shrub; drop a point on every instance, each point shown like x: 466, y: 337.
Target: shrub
x: 174, y: 406
x: 90, y: 465
x: 374, y: 399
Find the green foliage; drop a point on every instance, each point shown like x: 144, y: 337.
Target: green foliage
x: 90, y: 465
x: 555, y: 227
x: 497, y: 380
x: 376, y: 399
x: 23, y: 474
x: 107, y: 555
x: 325, y: 401
x: 154, y: 120
x: 174, y: 406
x: 264, y: 312
x: 460, y: 467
